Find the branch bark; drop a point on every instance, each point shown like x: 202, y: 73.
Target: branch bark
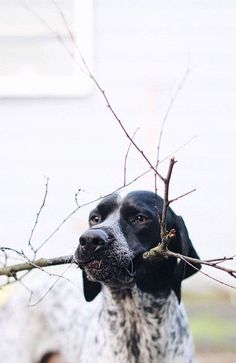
x: 12, y: 270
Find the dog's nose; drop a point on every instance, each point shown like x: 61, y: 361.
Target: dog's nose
x: 94, y: 239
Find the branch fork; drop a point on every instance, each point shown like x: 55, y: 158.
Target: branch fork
x: 161, y: 250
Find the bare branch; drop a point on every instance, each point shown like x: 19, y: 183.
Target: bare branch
x: 93, y: 78
x: 159, y: 251
x: 162, y: 252
x: 12, y: 270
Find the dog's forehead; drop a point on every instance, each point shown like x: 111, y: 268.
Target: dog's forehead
x: 140, y: 197
x: 108, y: 204
x: 118, y: 202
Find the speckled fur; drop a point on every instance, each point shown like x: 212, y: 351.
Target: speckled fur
x: 123, y: 324
x: 136, y: 328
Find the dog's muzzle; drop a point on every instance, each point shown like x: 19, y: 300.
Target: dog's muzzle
x: 103, y: 259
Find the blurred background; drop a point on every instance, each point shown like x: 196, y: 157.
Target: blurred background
x: 146, y: 55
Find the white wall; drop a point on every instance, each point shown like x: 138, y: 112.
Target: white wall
x: 142, y: 50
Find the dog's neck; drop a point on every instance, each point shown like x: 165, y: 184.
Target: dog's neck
x: 136, y: 327
x: 132, y: 297
x: 132, y: 304
x: 140, y: 323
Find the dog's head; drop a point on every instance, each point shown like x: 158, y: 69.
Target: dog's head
x: 121, y: 230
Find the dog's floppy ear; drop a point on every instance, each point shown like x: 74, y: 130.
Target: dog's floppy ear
x: 185, y: 247
x: 91, y: 288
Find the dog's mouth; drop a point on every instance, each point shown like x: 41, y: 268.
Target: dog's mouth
x: 95, y: 264
x: 111, y: 271
x: 110, y: 264
x: 101, y: 264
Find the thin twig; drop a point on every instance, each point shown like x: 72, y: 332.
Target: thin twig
x: 77, y: 195
x: 50, y: 288
x: 221, y: 260
x: 209, y: 263
x: 160, y: 162
x: 165, y: 118
x: 187, y: 260
x: 126, y: 156
x: 31, y: 292
x: 60, y: 225
x: 37, y: 218
x: 169, y: 108
x: 181, y: 196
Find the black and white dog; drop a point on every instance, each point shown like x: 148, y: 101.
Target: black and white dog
x: 137, y: 316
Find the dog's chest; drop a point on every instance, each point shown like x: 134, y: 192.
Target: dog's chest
x: 141, y: 330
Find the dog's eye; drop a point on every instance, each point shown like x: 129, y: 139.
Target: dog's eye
x: 140, y: 219
x: 95, y: 219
